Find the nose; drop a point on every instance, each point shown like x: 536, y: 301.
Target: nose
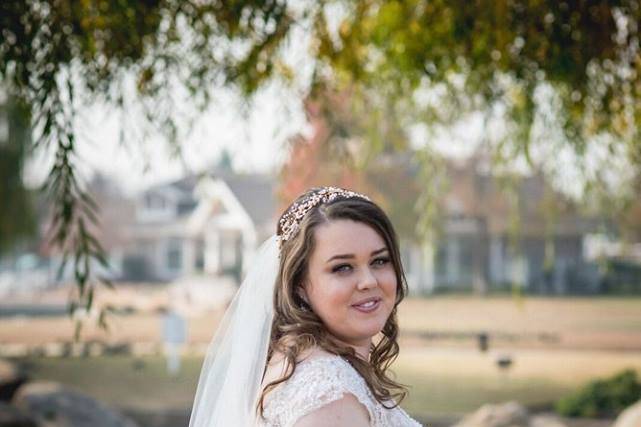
x: 367, y: 280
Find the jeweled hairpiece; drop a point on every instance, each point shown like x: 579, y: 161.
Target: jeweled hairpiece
x: 290, y: 222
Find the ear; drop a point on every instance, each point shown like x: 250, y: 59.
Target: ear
x: 302, y: 292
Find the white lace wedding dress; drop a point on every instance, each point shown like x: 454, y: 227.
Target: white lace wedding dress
x: 322, y: 380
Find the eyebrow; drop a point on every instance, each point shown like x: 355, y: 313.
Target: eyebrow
x: 344, y: 256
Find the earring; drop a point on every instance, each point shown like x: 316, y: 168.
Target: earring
x: 304, y: 306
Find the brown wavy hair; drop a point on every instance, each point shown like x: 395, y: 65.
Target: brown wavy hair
x: 296, y: 327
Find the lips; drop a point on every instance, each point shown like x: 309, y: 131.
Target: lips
x: 367, y: 305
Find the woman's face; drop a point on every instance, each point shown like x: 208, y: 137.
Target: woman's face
x: 351, y: 283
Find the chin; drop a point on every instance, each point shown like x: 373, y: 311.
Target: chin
x: 370, y: 331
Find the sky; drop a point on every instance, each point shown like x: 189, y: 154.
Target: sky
x: 255, y: 135
x: 256, y: 141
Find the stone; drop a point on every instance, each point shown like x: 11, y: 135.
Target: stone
x: 54, y: 405
x: 11, y: 378
x: 10, y: 416
x: 546, y: 421
x: 630, y: 417
x: 510, y: 414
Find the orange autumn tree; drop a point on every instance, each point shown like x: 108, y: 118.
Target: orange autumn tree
x: 333, y: 154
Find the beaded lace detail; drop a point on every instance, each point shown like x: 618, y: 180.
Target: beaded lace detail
x: 290, y: 222
x: 318, y: 382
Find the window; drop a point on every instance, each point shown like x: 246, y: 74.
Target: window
x: 154, y: 202
x: 228, y: 255
x: 199, y: 261
x: 174, y: 254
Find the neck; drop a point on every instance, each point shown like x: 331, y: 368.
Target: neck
x: 363, y: 351
x: 361, y: 347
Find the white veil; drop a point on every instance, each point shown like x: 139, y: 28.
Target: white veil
x: 232, y: 372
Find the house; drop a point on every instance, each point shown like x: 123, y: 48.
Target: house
x: 491, y: 233
x: 495, y: 236
x: 206, y: 224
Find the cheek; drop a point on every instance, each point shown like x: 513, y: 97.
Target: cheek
x: 331, y: 296
x: 388, y: 283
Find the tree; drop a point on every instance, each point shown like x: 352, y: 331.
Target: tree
x: 334, y: 155
x: 57, y: 56
x: 17, y: 214
x: 555, y: 74
x: 549, y: 77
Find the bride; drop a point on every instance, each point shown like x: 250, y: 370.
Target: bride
x: 309, y: 337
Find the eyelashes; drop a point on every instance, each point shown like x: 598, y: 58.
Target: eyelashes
x: 382, y: 260
x: 343, y: 268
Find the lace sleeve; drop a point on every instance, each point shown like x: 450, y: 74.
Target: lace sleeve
x: 315, y: 383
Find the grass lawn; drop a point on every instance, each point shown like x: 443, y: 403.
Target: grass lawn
x: 123, y: 381
x: 578, y: 323
x: 455, y: 381
x: 442, y: 381
x: 596, y: 337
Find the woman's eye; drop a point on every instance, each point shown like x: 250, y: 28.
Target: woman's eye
x: 381, y: 261
x: 341, y: 268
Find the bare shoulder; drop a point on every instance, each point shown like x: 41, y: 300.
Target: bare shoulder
x: 344, y: 412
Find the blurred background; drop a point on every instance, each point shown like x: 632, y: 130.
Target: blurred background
x: 148, y: 148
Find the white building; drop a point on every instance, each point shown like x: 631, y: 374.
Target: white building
x: 199, y: 225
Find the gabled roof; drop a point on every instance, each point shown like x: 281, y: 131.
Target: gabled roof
x: 257, y: 195
x: 255, y: 192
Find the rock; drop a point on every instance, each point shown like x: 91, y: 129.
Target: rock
x: 53, y: 405
x: 630, y: 417
x: 546, y: 421
x: 509, y: 414
x: 10, y: 416
x: 11, y: 378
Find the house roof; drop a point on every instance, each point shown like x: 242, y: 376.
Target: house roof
x: 473, y: 192
x: 255, y: 192
x: 469, y: 191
